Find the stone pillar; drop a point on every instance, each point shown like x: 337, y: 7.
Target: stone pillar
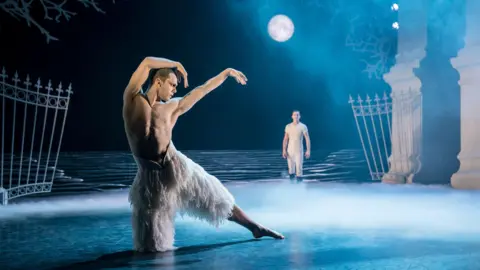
x: 441, y: 93
x: 468, y: 65
x: 406, y: 96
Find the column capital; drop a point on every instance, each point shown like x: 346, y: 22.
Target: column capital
x: 411, y: 42
x: 412, y: 32
x: 467, y: 61
x: 472, y: 22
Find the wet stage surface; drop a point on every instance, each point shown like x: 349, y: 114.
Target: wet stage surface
x: 327, y: 226
x: 336, y: 219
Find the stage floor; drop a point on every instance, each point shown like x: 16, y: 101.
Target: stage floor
x: 327, y: 226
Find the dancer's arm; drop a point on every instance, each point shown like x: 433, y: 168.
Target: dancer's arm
x: 307, y: 141
x: 187, y: 102
x: 284, y: 145
x: 141, y: 73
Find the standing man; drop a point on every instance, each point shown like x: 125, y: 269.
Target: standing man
x: 167, y: 181
x: 293, y: 145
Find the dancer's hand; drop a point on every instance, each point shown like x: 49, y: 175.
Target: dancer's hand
x: 284, y: 154
x: 238, y: 75
x: 307, y: 154
x: 184, y: 74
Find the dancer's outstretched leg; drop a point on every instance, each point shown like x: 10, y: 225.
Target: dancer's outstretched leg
x: 258, y: 231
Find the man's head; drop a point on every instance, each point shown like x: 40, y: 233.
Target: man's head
x: 164, y: 82
x: 296, y: 116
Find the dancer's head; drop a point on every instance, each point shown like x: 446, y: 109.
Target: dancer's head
x: 296, y: 116
x: 164, y: 82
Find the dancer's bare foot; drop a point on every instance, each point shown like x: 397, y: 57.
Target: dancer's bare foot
x: 261, y: 231
x: 258, y: 231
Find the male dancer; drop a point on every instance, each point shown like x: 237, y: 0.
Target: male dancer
x: 167, y: 181
x: 293, y: 146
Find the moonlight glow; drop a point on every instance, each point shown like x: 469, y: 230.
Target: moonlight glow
x: 280, y: 28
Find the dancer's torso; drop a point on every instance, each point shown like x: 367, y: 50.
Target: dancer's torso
x: 149, y: 128
x: 295, y: 136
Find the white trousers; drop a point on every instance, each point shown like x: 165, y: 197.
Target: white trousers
x: 295, y: 162
x: 177, y: 184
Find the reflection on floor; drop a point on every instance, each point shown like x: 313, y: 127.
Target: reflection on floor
x: 327, y: 225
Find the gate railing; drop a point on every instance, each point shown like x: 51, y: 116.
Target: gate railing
x: 390, y: 132
x: 373, y: 118
x: 33, y: 121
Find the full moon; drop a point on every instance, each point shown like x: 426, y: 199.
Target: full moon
x: 280, y: 28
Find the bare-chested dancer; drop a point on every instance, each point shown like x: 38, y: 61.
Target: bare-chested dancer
x: 167, y: 181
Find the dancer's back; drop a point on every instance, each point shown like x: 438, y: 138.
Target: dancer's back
x: 148, y: 124
x: 150, y: 131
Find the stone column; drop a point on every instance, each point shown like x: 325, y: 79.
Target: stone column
x: 468, y: 65
x: 406, y: 96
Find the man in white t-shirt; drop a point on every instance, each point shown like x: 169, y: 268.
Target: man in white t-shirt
x: 293, y: 146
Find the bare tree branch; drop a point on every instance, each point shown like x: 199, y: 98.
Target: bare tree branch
x: 378, y: 49
x: 365, y: 39
x: 362, y: 37
x: 52, y: 10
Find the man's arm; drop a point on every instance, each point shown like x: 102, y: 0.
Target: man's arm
x: 307, y: 141
x: 284, y: 145
x: 190, y: 99
x: 141, y: 73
